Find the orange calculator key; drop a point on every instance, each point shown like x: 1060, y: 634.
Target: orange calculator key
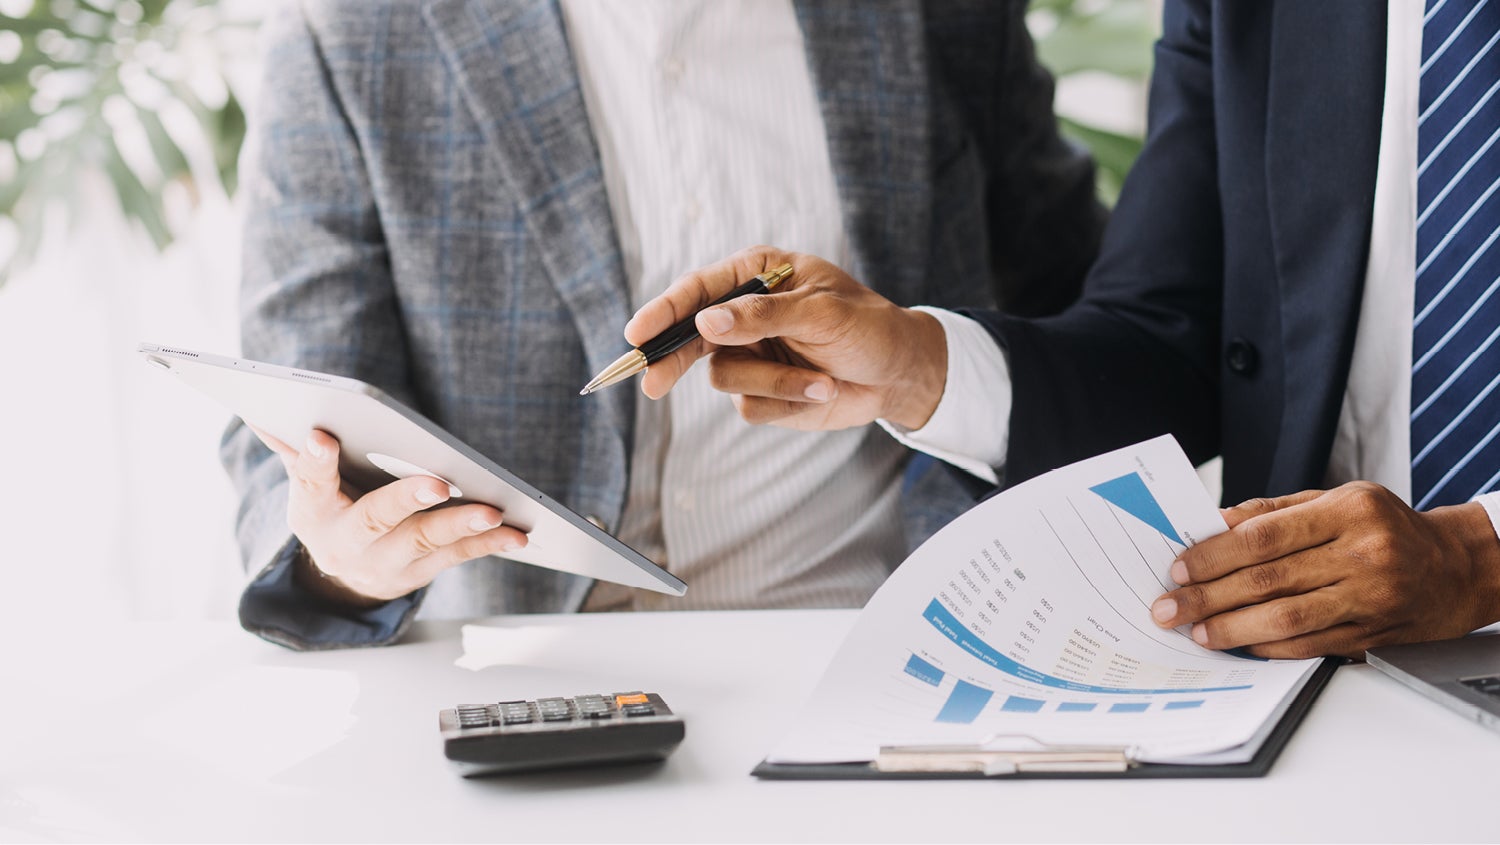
x: 632, y: 698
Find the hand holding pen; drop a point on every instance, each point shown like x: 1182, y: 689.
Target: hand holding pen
x: 821, y: 352
x: 681, y: 333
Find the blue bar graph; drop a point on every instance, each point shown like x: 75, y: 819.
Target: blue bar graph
x: 964, y: 704
x: 947, y: 624
x: 1129, y: 707
x: 1183, y: 705
x: 924, y: 671
x: 1017, y: 704
x: 1076, y: 707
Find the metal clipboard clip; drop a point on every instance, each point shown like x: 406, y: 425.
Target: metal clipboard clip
x: 1004, y: 754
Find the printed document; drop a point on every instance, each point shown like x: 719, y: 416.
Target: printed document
x: 1027, y: 622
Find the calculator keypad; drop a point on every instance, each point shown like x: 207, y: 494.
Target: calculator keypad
x: 583, y: 708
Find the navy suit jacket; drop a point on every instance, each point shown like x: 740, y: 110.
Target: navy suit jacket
x: 1223, y: 306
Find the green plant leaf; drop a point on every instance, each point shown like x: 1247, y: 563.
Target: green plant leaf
x: 33, y: 23
x: 231, y: 136
x: 90, y: 7
x: 19, y: 71
x: 28, y: 221
x: 136, y: 200
x: 169, y: 157
x: 15, y: 120
x: 1114, y: 154
x: 12, y: 191
x: 1098, y: 43
x: 152, y: 9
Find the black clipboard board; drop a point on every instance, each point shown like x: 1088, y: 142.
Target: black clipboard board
x: 1256, y: 767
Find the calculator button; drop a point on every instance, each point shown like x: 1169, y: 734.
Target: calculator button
x: 515, y: 714
x: 592, y: 707
x: 625, y: 699
x: 638, y: 710
x: 474, y: 716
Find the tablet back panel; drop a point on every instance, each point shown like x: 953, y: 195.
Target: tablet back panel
x: 375, y: 430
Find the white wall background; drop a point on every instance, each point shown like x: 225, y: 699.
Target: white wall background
x: 113, y: 504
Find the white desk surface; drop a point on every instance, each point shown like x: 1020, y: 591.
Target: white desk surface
x: 200, y: 732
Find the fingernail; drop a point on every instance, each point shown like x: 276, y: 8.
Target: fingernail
x: 1179, y: 571
x: 511, y: 545
x: 1164, y: 609
x: 479, y: 523
x: 818, y: 392
x: 1200, y: 635
x: 718, y: 320
x: 314, y: 449
x: 427, y: 497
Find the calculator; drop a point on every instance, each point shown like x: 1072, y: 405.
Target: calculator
x: 554, y: 733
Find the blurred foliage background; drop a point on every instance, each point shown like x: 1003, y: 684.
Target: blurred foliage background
x: 1107, y: 43
x: 130, y: 91
x: 136, y: 93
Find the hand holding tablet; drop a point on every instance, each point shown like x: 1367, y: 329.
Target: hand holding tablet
x: 386, y: 543
x: 345, y: 507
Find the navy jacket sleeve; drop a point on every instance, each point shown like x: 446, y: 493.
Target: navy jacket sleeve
x: 1137, y: 355
x: 276, y: 607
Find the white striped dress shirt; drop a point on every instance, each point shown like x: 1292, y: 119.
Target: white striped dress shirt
x: 711, y: 140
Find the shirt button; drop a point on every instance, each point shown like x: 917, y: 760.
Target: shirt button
x: 692, y: 209
x: 684, y: 501
x: 672, y: 68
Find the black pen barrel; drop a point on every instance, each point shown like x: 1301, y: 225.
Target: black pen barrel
x: 684, y: 331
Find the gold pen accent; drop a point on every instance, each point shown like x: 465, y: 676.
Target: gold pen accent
x: 679, y: 335
x: 623, y: 368
x: 775, y: 276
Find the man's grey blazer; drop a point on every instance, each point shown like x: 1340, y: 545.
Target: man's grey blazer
x: 426, y: 212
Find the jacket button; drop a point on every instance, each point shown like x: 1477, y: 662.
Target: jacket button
x: 597, y: 522
x: 1242, y: 357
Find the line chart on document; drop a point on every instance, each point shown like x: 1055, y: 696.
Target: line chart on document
x: 1137, y: 516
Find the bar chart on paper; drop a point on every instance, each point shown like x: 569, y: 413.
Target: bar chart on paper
x: 1029, y: 617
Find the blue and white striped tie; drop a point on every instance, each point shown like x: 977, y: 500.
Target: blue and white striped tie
x: 1455, y: 417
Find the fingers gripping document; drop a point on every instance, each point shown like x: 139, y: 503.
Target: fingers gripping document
x: 1024, y: 626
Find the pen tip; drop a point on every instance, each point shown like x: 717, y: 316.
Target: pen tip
x: 584, y: 392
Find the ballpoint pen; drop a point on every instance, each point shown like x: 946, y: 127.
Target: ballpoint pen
x: 678, y: 335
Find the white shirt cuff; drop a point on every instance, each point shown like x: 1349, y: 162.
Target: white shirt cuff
x: 1491, y: 504
x: 970, y: 428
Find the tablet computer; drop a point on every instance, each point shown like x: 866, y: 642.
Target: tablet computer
x: 381, y: 439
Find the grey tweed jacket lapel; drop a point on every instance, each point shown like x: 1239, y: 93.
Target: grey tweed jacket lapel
x: 869, y: 66
x: 511, y: 61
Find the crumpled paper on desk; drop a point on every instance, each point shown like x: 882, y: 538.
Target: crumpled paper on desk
x: 523, y: 645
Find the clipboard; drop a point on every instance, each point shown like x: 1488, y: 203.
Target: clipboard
x: 956, y: 762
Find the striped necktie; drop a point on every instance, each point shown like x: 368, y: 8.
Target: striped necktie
x: 1455, y: 414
